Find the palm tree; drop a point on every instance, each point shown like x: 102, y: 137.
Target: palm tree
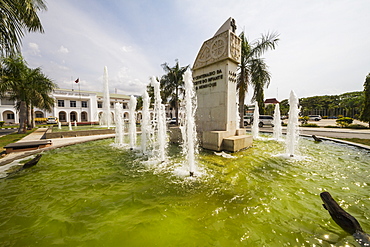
x: 172, y: 85
x: 40, y: 88
x: 28, y: 87
x: 17, y: 16
x: 253, y: 70
x: 365, y: 113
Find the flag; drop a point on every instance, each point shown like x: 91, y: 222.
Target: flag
x: 78, y: 79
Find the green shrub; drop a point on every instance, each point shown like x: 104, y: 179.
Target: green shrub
x: 357, y: 126
x: 331, y: 126
x: 2, y: 123
x: 344, y: 121
x: 304, y: 119
x: 309, y: 125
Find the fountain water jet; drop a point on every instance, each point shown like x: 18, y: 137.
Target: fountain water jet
x: 277, y: 130
x: 119, y: 124
x: 75, y: 124
x: 69, y: 125
x: 132, y: 122
x: 59, y: 125
x: 159, y: 122
x: 256, y: 117
x: 188, y: 128
x: 293, y: 123
x: 106, y: 116
x: 145, y: 123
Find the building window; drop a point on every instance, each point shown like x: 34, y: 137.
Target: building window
x: 62, y: 116
x: 60, y: 103
x: 72, y: 103
x: 10, y: 116
x: 84, y: 104
x: 39, y: 115
x: 100, y: 104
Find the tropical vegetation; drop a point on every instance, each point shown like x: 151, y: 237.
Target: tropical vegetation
x: 16, y: 18
x: 253, y: 71
x: 346, y: 104
x: 28, y: 87
x: 365, y: 113
x: 172, y: 85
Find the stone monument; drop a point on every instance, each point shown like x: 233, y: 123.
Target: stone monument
x: 214, y: 78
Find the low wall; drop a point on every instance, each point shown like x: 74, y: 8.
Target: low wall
x: 64, y: 134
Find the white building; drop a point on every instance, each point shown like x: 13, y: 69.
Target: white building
x: 70, y: 105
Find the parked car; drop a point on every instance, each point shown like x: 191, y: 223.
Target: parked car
x: 52, y: 120
x: 247, y: 119
x: 264, y: 120
x: 314, y: 117
x: 172, y: 121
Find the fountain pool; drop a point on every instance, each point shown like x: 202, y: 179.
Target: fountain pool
x: 92, y: 194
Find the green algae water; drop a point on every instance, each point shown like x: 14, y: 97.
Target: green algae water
x: 95, y: 195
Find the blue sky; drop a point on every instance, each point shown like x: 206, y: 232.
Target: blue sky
x: 324, y: 44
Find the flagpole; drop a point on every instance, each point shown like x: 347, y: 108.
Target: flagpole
x: 79, y: 91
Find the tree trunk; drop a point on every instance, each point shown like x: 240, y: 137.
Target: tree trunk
x: 177, y: 106
x: 33, y: 124
x: 29, y: 117
x: 22, y: 117
x: 241, y: 109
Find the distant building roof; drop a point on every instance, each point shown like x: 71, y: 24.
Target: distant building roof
x: 99, y: 94
x: 272, y: 101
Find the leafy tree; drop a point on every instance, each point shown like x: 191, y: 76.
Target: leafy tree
x: 333, y: 105
x: 172, y: 85
x: 365, y: 114
x: 344, y: 121
x: 253, y: 70
x: 16, y: 17
x: 28, y: 87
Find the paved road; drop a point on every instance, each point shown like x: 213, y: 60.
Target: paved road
x: 327, y: 132
x: 4, y: 132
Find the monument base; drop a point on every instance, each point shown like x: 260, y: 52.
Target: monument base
x: 218, y: 140
x: 224, y: 140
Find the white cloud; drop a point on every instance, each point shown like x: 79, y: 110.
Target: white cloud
x: 63, y: 50
x: 126, y: 48
x: 34, y: 48
x: 322, y: 49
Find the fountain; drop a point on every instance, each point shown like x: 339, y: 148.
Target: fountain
x: 159, y: 122
x: 293, y: 126
x: 256, y: 120
x: 277, y: 130
x: 146, y: 129
x: 106, y: 116
x: 132, y: 122
x: 188, y: 127
x: 255, y: 199
x: 118, y: 110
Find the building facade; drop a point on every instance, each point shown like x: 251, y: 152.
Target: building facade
x: 70, y: 105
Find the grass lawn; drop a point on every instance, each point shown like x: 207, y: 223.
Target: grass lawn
x: 5, y: 140
x: 81, y: 127
x: 357, y: 140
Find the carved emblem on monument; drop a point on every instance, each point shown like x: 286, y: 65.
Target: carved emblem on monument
x: 218, y: 47
x: 223, y: 45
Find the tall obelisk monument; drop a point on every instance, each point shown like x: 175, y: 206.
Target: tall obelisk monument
x: 214, y: 77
